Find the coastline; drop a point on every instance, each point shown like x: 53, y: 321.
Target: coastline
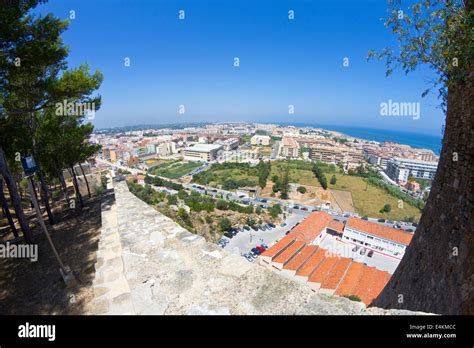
x: 415, y: 140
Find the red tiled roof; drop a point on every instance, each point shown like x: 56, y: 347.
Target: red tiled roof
x: 299, y: 259
x: 379, y: 230
x: 371, y: 278
x: 350, y: 280
x: 290, y: 142
x: 323, y: 270
x: 337, y: 273
x: 336, y: 225
x: 308, y: 267
x: 278, y: 246
x: 289, y: 252
x: 374, y: 289
x: 311, y: 227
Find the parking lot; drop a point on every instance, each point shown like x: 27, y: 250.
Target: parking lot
x: 244, y: 241
x: 378, y: 260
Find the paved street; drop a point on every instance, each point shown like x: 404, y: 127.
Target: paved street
x: 246, y: 240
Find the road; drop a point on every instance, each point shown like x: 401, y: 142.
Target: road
x: 244, y: 241
x: 287, y: 206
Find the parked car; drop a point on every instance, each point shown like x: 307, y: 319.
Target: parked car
x: 283, y: 225
x: 228, y: 234
x: 260, y: 249
x: 390, y: 222
x: 365, y: 218
x: 264, y: 246
x: 370, y: 253
x: 255, y: 251
x: 272, y: 225
x: 356, y: 248
x: 246, y: 228
x: 414, y: 224
x: 248, y: 257
x: 304, y: 208
x: 296, y: 207
x: 263, y: 228
x: 254, y: 228
x: 381, y: 220
x: 363, y: 251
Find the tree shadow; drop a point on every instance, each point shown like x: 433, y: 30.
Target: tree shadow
x: 29, y: 288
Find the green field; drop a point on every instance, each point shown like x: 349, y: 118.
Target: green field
x: 299, y: 176
x: 174, y: 169
x: 241, y: 173
x: 369, y: 202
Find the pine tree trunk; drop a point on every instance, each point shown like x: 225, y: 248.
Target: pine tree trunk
x: 45, y: 197
x: 436, y: 273
x: 6, y: 210
x: 35, y: 191
x: 76, y: 187
x: 87, y: 183
x: 62, y: 182
x: 16, y: 201
x: 20, y: 191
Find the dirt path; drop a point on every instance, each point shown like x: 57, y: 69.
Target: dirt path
x: 36, y: 287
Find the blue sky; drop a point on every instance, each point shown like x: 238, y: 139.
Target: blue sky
x: 190, y: 62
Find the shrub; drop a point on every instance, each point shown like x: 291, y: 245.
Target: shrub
x: 222, y: 205
x: 353, y: 297
x: 172, y: 200
x: 301, y: 189
x: 98, y: 189
x: 225, y: 224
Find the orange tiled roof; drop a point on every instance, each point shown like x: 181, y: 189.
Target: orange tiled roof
x: 336, y: 225
x: 379, y: 230
x: 289, y: 252
x: 290, y: 142
x: 311, y: 227
x: 371, y: 279
x: 278, y: 246
x: 374, y: 289
x: 321, y: 272
x: 308, y: 267
x: 337, y: 273
x: 299, y: 259
x: 350, y: 279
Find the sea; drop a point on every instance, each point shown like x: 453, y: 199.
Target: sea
x: 416, y: 140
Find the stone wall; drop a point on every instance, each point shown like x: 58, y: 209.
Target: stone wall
x: 147, y: 264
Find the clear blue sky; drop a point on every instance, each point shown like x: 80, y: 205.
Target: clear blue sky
x: 283, y: 62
